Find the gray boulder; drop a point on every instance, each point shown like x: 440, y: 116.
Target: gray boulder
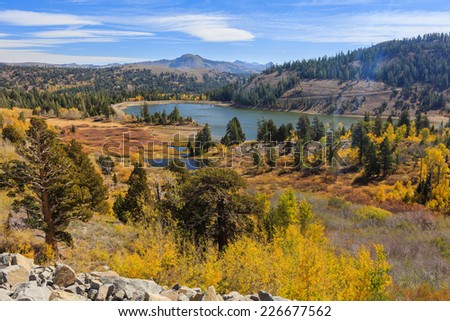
x: 31, y: 292
x: 210, y: 294
x: 4, y: 295
x: 188, y: 292
x: 64, y: 276
x: 105, y: 292
x: 14, y: 274
x: 171, y: 294
x: 60, y: 295
x: 131, y: 286
x: 26, y: 263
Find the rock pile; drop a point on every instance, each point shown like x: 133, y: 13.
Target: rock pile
x: 22, y: 280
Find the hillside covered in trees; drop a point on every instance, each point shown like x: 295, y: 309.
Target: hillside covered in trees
x: 92, y: 90
x: 386, y: 78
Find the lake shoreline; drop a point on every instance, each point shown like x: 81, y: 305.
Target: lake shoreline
x: 436, y: 119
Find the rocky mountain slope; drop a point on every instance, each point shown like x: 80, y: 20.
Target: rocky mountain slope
x: 22, y: 280
x: 384, y: 79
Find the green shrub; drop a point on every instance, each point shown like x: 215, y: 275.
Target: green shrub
x: 372, y: 213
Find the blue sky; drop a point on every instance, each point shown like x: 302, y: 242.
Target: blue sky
x: 101, y: 32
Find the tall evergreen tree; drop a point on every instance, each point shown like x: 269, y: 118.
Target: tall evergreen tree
x: 234, y: 133
x: 386, y: 159
x: 46, y: 182
x: 372, y: 165
x: 404, y: 119
x: 359, y: 139
x: 137, y: 204
x: 213, y: 205
x: 304, y: 130
x: 378, y: 126
x: 318, y: 129
x: 174, y: 116
x: 203, y: 141
x: 89, y: 182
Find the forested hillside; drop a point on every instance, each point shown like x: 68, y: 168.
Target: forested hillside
x: 92, y: 90
x: 403, y: 74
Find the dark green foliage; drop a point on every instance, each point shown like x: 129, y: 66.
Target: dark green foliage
x: 93, y: 90
x: 89, y: 183
x: 422, y: 121
x: 12, y: 134
x: 303, y: 129
x: 359, y: 139
x: 22, y: 117
x: 174, y: 116
x: 404, y: 119
x: 386, y: 159
x: 318, y: 129
x: 267, y: 131
x: 145, y: 114
x: 425, y: 188
x: 372, y: 165
x: 378, y: 126
x: 203, y: 142
x: 138, y: 204
x: 214, y: 207
x: 234, y: 133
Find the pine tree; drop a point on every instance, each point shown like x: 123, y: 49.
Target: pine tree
x: 234, y: 133
x: 386, y: 159
x: 203, y: 141
x: 359, y: 139
x: 138, y: 199
x: 318, y: 129
x: 378, y: 126
x: 372, y: 165
x: 213, y: 205
x: 404, y: 119
x: 145, y: 114
x: 46, y: 182
x: 174, y: 116
x: 304, y: 130
x: 87, y: 179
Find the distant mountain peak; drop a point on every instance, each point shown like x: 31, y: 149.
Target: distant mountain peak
x: 194, y: 61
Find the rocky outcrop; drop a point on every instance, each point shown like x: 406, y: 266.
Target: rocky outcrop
x: 22, y: 280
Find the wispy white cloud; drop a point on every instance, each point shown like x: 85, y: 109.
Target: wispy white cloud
x: 88, y: 33
x: 45, y: 43
x: 33, y: 18
x: 364, y: 28
x: 210, y: 28
x: 19, y: 56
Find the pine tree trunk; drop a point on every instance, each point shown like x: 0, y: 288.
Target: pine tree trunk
x: 50, y: 232
x: 222, y: 237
